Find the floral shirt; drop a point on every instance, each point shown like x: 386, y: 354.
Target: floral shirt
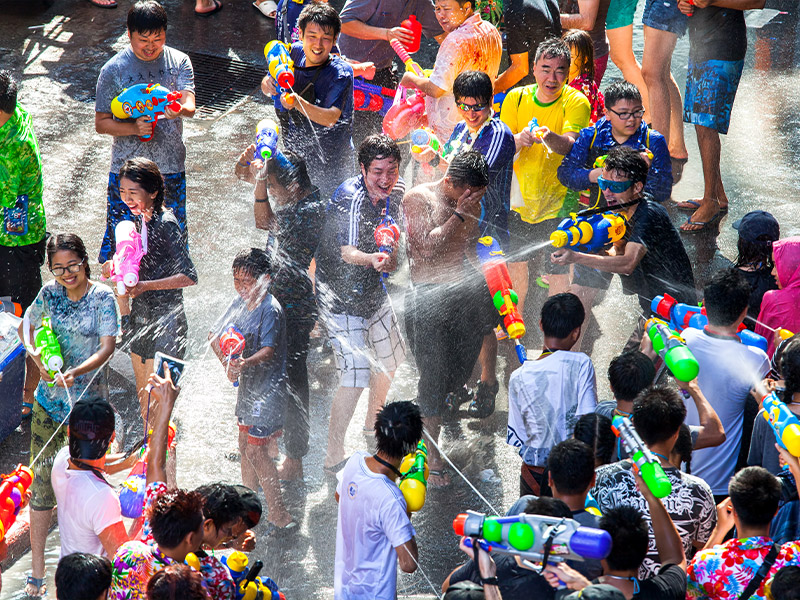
x: 587, y: 86
x: 133, y: 565
x: 725, y: 570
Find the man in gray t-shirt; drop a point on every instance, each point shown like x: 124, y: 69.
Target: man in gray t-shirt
x: 146, y: 60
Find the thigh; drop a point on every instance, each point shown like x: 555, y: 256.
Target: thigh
x: 383, y: 337
x: 658, y: 48
x: 348, y: 337
x: 665, y: 16
x: 47, y: 438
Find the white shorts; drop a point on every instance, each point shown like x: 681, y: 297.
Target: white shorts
x: 364, y: 345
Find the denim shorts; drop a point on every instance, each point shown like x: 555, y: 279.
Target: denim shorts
x: 710, y: 90
x: 664, y: 15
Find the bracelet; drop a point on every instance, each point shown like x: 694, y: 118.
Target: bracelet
x: 459, y: 215
x: 489, y: 581
x: 261, y: 200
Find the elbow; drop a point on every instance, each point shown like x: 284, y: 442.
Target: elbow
x: 718, y: 438
x: 627, y: 269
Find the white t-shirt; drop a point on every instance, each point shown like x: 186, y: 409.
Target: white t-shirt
x: 545, y: 399
x: 86, y: 507
x: 372, y: 523
x: 728, y: 371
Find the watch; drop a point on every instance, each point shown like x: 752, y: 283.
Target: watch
x: 489, y: 580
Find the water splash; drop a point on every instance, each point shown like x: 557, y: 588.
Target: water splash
x: 425, y: 575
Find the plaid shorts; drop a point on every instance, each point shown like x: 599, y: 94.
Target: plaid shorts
x: 365, y: 345
x: 42, y: 427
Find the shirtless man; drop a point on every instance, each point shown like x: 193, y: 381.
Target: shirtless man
x: 448, y: 301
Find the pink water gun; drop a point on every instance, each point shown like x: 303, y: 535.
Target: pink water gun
x: 408, y: 110
x: 127, y: 257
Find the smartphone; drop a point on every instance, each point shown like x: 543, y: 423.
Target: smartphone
x: 162, y: 362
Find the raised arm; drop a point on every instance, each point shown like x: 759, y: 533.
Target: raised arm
x: 164, y: 393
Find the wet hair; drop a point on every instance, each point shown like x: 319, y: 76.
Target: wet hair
x: 628, y: 162
x: 145, y: 172
x: 147, y: 16
x: 571, y: 465
x: 398, y: 429
x: 755, y: 254
x: 8, y: 92
x: 174, y: 515
x: 464, y: 590
x: 547, y: 506
x: 561, y: 315
x: 176, y: 582
x: 71, y: 243
x: 785, y: 584
x: 621, y: 90
x: 755, y: 493
x: 595, y: 430
x: 82, y: 576
x: 377, y: 147
x: 726, y: 297
x: 221, y: 503
x: 253, y: 510
x: 630, y: 373
x: 324, y: 15
x: 469, y: 169
x: 683, y: 447
x: 289, y: 167
x: 789, y: 366
x: 629, y: 537
x: 581, y: 42
x: 253, y: 261
x: 473, y: 84
x: 657, y: 414
x: 553, y: 47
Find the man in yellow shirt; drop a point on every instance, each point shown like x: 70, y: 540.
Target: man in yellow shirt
x: 560, y: 112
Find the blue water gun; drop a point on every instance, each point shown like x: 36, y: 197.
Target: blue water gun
x: 589, y: 233
x: 372, y: 98
x: 784, y: 423
x: 145, y: 100
x: 249, y: 586
x: 267, y: 132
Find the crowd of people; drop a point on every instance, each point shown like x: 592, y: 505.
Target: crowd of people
x: 510, y: 154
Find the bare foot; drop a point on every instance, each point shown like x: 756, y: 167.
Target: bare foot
x: 282, y: 518
x: 290, y: 469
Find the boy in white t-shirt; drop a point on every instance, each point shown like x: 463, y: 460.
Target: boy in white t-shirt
x: 547, y: 395
x: 374, y: 531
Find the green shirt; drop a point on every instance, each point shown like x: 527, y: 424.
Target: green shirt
x: 20, y: 176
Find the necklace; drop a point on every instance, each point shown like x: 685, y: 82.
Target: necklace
x: 388, y: 465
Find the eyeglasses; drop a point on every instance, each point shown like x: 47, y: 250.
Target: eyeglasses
x: 637, y: 114
x: 616, y: 187
x: 471, y: 107
x: 74, y: 268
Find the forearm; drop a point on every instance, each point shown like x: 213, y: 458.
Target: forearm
x: 110, y: 126
x: 173, y: 282
x: 716, y: 538
x: 577, y: 21
x: 262, y: 208
x: 560, y: 144
x: 712, y: 429
x: 423, y: 84
x: 354, y: 256
x: 571, y: 173
x: 362, y: 31
x: 96, y: 360
x: 264, y: 355
x: 514, y: 73
x: 740, y: 4
x: 327, y: 117
x: 188, y: 107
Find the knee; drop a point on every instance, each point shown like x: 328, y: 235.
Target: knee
x: 651, y: 75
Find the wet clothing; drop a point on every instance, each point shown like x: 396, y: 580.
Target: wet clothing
x: 779, y: 307
x: 20, y: 272
x: 664, y: 15
x: 43, y: 428
x: 529, y: 23
x: 514, y: 582
x: 717, y: 34
x: 761, y: 281
x: 710, y: 91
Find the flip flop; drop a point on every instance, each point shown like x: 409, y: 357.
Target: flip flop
x: 268, y: 8
x: 704, y: 225
x: 29, y: 406
x: 677, y: 168
x: 217, y: 8
x: 688, y: 205
x: 276, y: 530
x: 98, y: 5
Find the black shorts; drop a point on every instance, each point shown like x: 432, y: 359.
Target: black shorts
x: 20, y: 272
x: 592, y: 278
x: 162, y: 330
x: 525, y: 237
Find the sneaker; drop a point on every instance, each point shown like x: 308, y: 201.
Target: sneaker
x: 454, y: 400
x: 483, y: 404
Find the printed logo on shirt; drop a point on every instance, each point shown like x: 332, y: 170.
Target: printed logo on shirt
x: 352, y: 490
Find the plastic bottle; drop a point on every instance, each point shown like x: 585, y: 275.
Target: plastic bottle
x: 415, y: 27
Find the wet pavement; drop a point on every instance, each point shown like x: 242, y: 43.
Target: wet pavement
x: 57, y: 49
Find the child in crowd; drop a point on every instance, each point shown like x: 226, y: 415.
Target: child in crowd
x: 261, y: 375
x: 81, y: 576
x: 84, y: 319
x: 581, y: 70
x: 779, y: 307
x: 758, y: 230
x: 176, y: 581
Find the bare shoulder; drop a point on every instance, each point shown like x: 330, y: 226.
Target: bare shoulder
x: 419, y: 195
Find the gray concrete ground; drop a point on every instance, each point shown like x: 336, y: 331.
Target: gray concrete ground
x: 57, y: 49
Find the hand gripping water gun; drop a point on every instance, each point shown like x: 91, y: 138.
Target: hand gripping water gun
x: 784, y: 423
x: 132, y: 492
x: 249, y: 586
x: 537, y: 538
x: 231, y: 344
x: 128, y: 254
x: 589, y: 233
x: 408, y: 109
x: 48, y: 349
x: 672, y: 349
x: 644, y: 461
x: 424, y: 137
x: 13, y: 489
x: 533, y: 127
x: 495, y: 270
x: 387, y: 234
x: 280, y: 65
x: 681, y: 316
x: 371, y: 98
x: 145, y: 100
x: 414, y: 482
x: 267, y: 132
x: 415, y: 27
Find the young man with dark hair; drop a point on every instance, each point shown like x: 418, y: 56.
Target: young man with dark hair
x: 729, y: 371
x: 724, y: 569
x: 373, y: 530
x: 442, y: 226
x: 786, y: 584
x: 83, y: 576
x: 547, y: 395
x: 146, y: 60
x: 353, y: 302
x: 628, y: 374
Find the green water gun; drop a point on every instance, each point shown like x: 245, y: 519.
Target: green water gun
x: 643, y: 459
x: 48, y: 349
x: 414, y: 484
x: 672, y: 349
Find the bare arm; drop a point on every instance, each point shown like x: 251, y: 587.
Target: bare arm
x: 407, y: 556
x: 112, y: 537
x: 423, y: 84
x: 586, y: 17
x: 327, y: 117
x: 623, y: 264
x: 712, y: 433
x: 165, y: 395
x: 518, y: 68
x: 362, y: 31
x: 668, y: 542
x: 173, y: 282
x: 425, y: 241
x: 265, y: 354
x: 262, y: 209
x: 98, y: 359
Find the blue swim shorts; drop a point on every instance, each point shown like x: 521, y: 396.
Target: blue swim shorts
x: 710, y: 90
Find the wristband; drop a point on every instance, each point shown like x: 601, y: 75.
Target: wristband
x: 489, y: 581
x: 458, y: 214
x: 261, y: 200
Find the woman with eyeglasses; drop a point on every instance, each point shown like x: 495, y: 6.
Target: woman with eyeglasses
x: 84, y: 318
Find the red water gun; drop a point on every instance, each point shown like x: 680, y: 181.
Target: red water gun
x: 231, y: 344
x: 13, y: 496
x: 371, y: 98
x: 387, y: 234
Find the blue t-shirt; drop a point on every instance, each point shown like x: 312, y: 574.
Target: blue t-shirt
x: 286, y: 29
x: 78, y: 326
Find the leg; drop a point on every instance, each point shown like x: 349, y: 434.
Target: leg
x: 379, y: 384
x: 488, y: 359
x: 559, y: 283
x: 249, y: 476
x: 40, y: 525
x: 658, y: 48
x: 296, y: 428
x: 677, y: 143
x: 432, y: 427
x: 342, y: 409
x: 141, y: 371
x: 519, y: 279
x: 258, y: 455
x: 709, y: 143
x: 621, y: 42
x: 31, y: 381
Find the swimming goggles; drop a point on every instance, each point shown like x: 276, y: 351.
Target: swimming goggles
x: 616, y: 187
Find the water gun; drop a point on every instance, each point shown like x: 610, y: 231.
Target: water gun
x: 589, y: 233
x: 784, y: 423
x: 132, y: 492
x: 280, y: 66
x: 13, y: 489
x: 267, y: 132
x: 128, y: 254
x: 14, y: 308
x: 231, y: 344
x: 408, y: 109
x: 372, y: 98
x: 681, y: 316
x: 424, y: 137
x: 784, y: 334
x: 145, y: 100
x: 672, y: 349
x: 387, y: 234
x: 414, y: 481
x: 415, y: 27
x: 644, y: 461
x: 48, y: 349
x: 536, y: 538
x: 495, y: 270
x: 249, y: 586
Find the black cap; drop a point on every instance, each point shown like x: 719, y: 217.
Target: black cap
x: 464, y: 590
x: 252, y: 505
x: 91, y: 425
x: 601, y: 591
x: 757, y: 224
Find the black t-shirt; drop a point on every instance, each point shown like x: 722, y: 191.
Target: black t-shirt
x: 665, y: 266
x: 761, y: 281
x: 669, y: 584
x: 528, y: 23
x: 717, y: 34
x: 515, y: 582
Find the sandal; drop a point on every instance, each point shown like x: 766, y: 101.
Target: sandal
x: 216, y: 9
x: 29, y: 406
x: 275, y: 530
x: 268, y: 8
x: 38, y: 583
x: 704, y: 225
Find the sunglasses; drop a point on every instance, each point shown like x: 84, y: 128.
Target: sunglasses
x: 616, y: 187
x: 472, y: 107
